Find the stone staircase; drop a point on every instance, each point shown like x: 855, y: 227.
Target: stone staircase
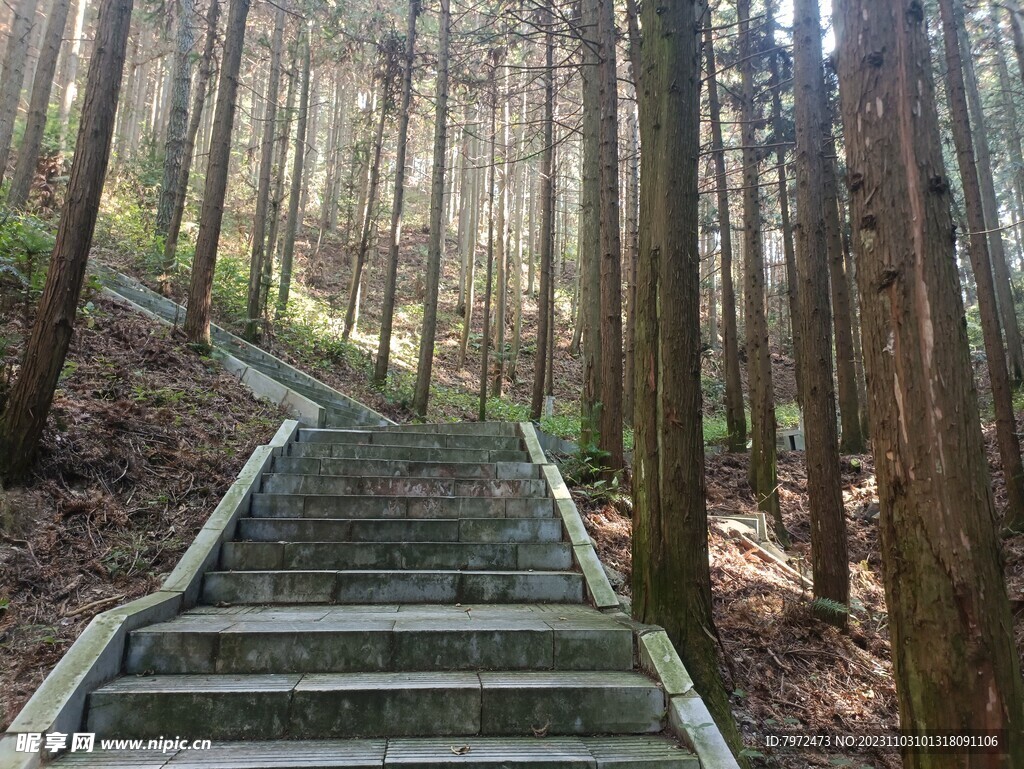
x: 397, y: 596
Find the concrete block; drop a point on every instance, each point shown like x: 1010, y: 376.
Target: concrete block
x: 689, y: 718
x: 658, y: 658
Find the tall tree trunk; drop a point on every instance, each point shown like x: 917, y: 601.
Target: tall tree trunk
x: 380, y: 371
x: 763, y: 475
x: 197, y: 318
x: 792, y: 279
x: 24, y: 417
x: 1000, y: 271
x: 547, y: 216
x: 1002, y: 395
x: 1011, y: 128
x: 469, y: 254
x: 937, y: 522
x: 735, y: 416
x: 32, y: 139
x: 611, y: 245
x: 71, y: 71
x: 829, y: 560
x: 277, y: 198
x: 485, y: 337
x: 188, y: 152
x: 435, y: 246
x: 259, y: 225
x: 589, y: 256
x: 632, y: 228
x: 14, y: 75
x: 501, y: 243
x: 298, y: 184
x: 177, y: 126
x: 670, y: 539
x: 369, y: 206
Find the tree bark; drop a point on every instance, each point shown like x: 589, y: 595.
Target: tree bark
x: 14, y: 76
x: 735, y: 416
x: 949, y: 615
x: 23, y: 419
x: 671, y: 577
x: 259, y: 225
x: 763, y: 476
x: 435, y: 247
x: 978, y: 251
x: 631, y: 254
x: 177, y: 126
x: 197, y: 317
x: 829, y: 560
x: 485, y: 337
x: 547, y: 217
x: 611, y: 245
x: 70, y: 91
x: 501, y: 243
x: 380, y: 371
x: 35, y: 124
x: 188, y: 152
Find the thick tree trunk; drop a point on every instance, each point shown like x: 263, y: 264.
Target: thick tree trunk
x: 24, y: 417
x: 948, y: 611
x: 380, y: 371
x: 763, y: 476
x: 670, y: 535
x: 547, y: 218
x: 259, y: 226
x: 197, y: 318
x: 177, y: 126
x: 829, y: 560
x: 435, y: 246
x: 735, y: 416
x: 1002, y: 394
x: 188, y: 152
x: 631, y: 254
x: 32, y: 139
x: 14, y: 76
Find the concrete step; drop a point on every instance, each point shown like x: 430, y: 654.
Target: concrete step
x: 286, y: 483
x: 407, y: 468
x: 224, y: 707
x: 306, y: 556
x: 407, y: 753
x: 347, y: 506
x: 383, y: 586
x: 407, y: 453
x: 489, y: 530
x: 457, y: 428
x: 620, y: 752
x: 406, y: 438
x: 367, y: 641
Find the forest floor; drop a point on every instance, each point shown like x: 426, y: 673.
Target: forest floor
x: 143, y: 440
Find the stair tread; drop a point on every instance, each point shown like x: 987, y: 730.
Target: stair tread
x: 404, y: 751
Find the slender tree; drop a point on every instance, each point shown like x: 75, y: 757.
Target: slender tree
x: 735, y: 416
x: 298, y: 167
x: 32, y: 139
x: 259, y: 226
x: 435, y: 246
x: 670, y: 535
x: 24, y: 417
x: 13, y: 75
x: 948, y: 610
x: 763, y: 476
x: 380, y: 371
x: 978, y: 252
x: 177, y: 126
x: 829, y: 561
x: 195, y: 119
x: 197, y: 317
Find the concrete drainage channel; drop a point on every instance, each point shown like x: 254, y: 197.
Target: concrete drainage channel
x: 385, y: 596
